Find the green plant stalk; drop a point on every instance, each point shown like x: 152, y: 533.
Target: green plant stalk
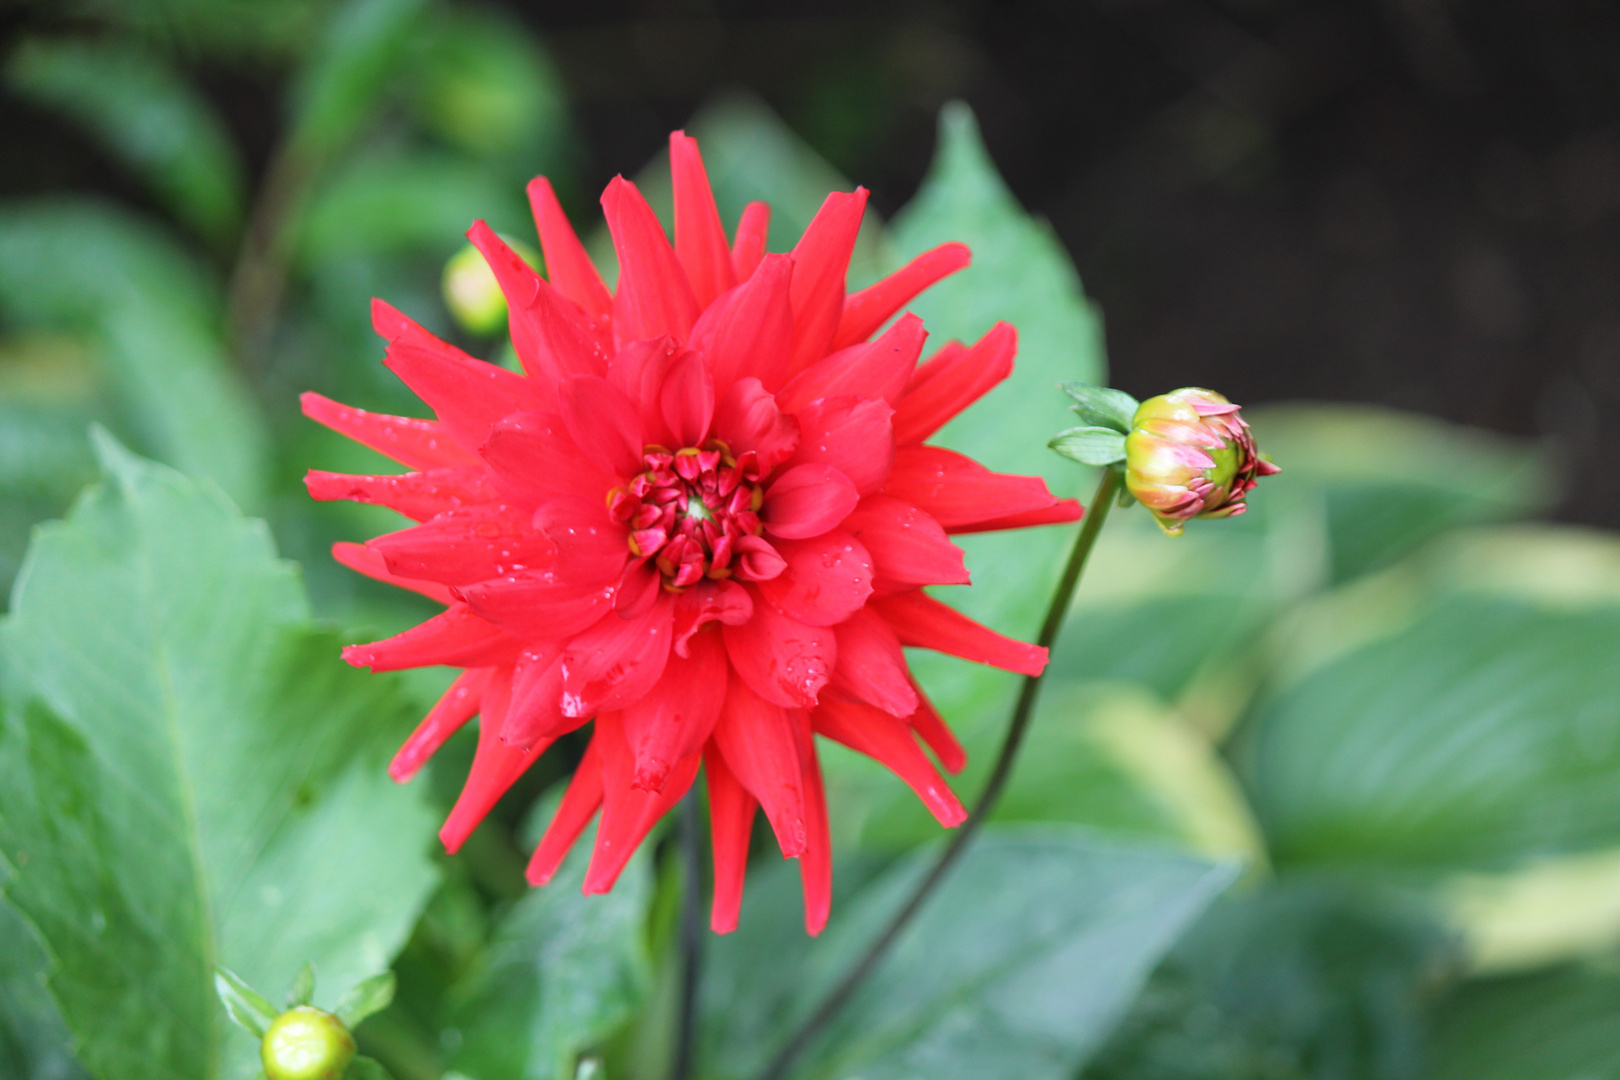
x: 691, y: 935
x: 1017, y: 727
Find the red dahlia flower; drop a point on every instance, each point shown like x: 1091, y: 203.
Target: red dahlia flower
x: 702, y: 518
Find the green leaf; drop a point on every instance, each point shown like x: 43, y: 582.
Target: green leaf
x: 352, y: 64
x: 302, y: 991
x: 1103, y: 406
x: 1559, y: 1025
x: 364, y: 1068
x: 246, y: 1007
x: 190, y: 776
x: 147, y: 114
x: 565, y: 972
x: 1018, y: 966
x: 34, y: 1043
x: 153, y: 316
x: 1090, y: 445
x: 364, y: 998
x: 1484, y: 734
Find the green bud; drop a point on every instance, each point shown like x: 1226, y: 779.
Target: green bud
x: 306, y: 1044
x: 471, y: 292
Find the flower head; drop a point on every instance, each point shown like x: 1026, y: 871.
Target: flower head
x: 1190, y: 454
x: 701, y: 521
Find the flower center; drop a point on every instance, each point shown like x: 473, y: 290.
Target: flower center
x: 688, y: 510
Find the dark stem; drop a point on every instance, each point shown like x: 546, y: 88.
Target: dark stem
x: 260, y: 276
x: 1019, y: 724
x: 691, y: 934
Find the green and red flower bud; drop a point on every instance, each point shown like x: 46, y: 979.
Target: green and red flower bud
x: 1190, y: 454
x: 305, y: 1043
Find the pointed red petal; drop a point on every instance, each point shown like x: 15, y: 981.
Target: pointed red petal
x: 758, y: 742
x: 687, y: 399
x: 700, y: 241
x: 468, y: 396
x: 591, y: 548
x: 725, y: 602
x: 874, y: 305
x: 890, y: 742
x: 853, y: 436
x: 731, y: 824
x: 603, y: 423
x: 653, y: 297
x: 821, y: 263
x: 535, y: 713
x: 808, y: 500
x: 535, y: 459
x: 1059, y: 513
x: 908, y: 547
x: 749, y: 247
x: 570, y: 268
x: 539, y: 604
x: 955, y: 490
x: 747, y: 419
x: 495, y: 768
x: 638, y: 371
x: 954, y: 378
x: 417, y: 495
x: 878, y: 370
x: 552, y: 337
x: 453, y: 709
x: 932, y: 729
x: 461, y: 547
x: 363, y: 560
x: 617, y: 660
x: 749, y: 330
x: 455, y: 638
x: 827, y: 579
x: 578, y: 806
x: 420, y: 444
x: 785, y: 661
x: 628, y: 813
x: 926, y: 623
x: 871, y: 666
x: 815, y: 865
x: 675, y: 718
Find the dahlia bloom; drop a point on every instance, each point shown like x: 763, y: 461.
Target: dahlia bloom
x: 1190, y: 454
x: 702, y: 518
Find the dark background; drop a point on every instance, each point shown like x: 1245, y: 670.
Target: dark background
x: 1414, y: 202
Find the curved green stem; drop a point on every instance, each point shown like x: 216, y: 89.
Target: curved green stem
x: 691, y: 935
x: 835, y: 1000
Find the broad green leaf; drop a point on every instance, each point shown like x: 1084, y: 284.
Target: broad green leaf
x: 1484, y: 734
x: 1551, y: 911
x: 351, y: 65
x: 147, y: 114
x: 1018, y: 966
x: 1559, y: 1025
x: 565, y: 972
x: 153, y: 316
x: 34, y: 1043
x: 191, y: 777
x: 1090, y: 445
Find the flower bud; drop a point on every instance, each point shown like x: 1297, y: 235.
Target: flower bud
x: 1190, y: 454
x: 306, y: 1044
x: 471, y: 292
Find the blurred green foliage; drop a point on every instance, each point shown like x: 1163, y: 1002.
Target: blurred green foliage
x: 1383, y: 697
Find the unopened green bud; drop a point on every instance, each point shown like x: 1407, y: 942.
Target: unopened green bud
x: 471, y: 292
x: 306, y: 1044
x: 1190, y: 454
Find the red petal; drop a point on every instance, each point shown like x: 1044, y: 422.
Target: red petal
x: 873, y: 306
x: 908, y: 547
x: 785, y: 661
x: 590, y: 548
x: 638, y: 370
x: 417, y: 495
x: 653, y: 297
x: 1059, y: 513
x: 890, y: 742
x: 495, y: 768
x: 926, y: 623
x: 815, y: 865
x: 453, y: 709
x: 700, y: 241
x: 871, y: 666
x: 827, y: 578
x: 675, y: 718
x: 469, y: 396
x: 535, y: 714
x: 757, y: 740
x: 571, y: 270
x: 955, y: 490
x: 821, y: 263
x: 539, y: 604
x: 578, y: 805
x: 853, y: 436
x: 952, y: 379
x: 731, y: 824
x: 756, y: 560
x: 627, y: 813
x: 748, y: 420
x: 603, y: 423
x: 535, y: 459
x: 749, y: 247
x: 363, y: 560
x: 931, y: 729
x: 807, y: 500
x: 616, y: 661
x: 466, y: 546
x: 749, y: 330
x: 724, y: 602
x: 878, y: 370
x: 420, y: 444
x: 552, y: 337
x: 687, y: 399
x: 455, y: 638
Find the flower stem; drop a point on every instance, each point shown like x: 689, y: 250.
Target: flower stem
x: 691, y: 934
x: 1016, y: 728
